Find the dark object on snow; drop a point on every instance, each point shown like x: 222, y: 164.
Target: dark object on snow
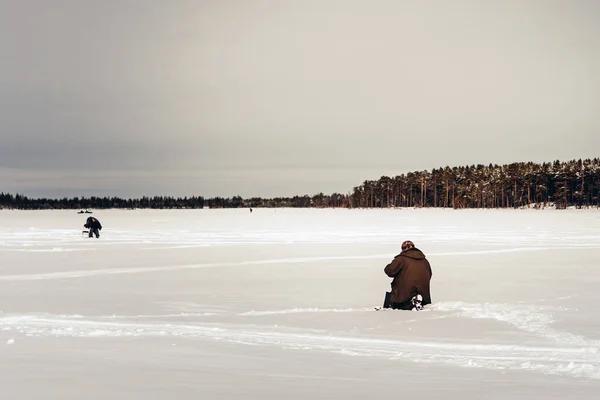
x: 94, y: 226
x: 415, y: 303
x: 412, y: 273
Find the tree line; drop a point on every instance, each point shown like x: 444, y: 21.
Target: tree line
x: 560, y: 184
x: 523, y: 184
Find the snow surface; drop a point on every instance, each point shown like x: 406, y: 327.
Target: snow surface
x: 279, y: 303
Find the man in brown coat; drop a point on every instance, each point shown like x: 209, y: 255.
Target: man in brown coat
x: 411, y: 272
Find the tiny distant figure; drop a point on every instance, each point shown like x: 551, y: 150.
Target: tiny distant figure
x: 250, y: 209
x: 412, y: 274
x: 94, y: 226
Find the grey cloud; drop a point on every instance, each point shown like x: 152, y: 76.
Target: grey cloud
x: 276, y: 97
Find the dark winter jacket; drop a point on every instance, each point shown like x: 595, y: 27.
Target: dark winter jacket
x: 92, y: 223
x: 411, y: 272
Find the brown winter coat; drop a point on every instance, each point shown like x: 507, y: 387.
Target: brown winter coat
x: 411, y: 272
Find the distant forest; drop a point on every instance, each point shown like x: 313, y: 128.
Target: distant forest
x: 524, y: 184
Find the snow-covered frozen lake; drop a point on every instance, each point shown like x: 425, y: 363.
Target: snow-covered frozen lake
x: 278, y: 304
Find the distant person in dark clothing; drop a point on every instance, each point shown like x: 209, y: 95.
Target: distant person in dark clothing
x: 412, y: 273
x: 94, y: 226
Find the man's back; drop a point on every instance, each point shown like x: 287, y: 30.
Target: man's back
x: 412, y: 273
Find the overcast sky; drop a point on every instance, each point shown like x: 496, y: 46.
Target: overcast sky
x: 282, y: 97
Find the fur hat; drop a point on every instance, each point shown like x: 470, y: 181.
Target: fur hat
x: 407, y: 244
